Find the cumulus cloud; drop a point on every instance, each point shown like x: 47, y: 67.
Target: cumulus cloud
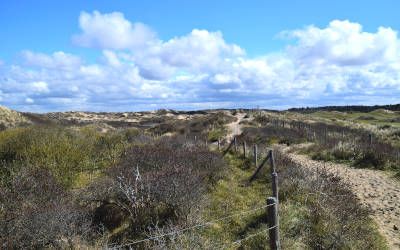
x: 197, y: 51
x: 345, y: 43
x: 57, y: 60
x: 112, y: 31
x: 39, y: 87
x: 337, y: 64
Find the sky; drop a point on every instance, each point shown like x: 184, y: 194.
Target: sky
x: 145, y: 55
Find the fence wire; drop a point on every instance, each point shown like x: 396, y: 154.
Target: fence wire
x: 202, y: 225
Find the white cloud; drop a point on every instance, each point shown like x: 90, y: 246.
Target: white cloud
x: 198, y: 50
x: 225, y: 79
x: 337, y: 64
x: 39, y: 87
x: 111, y: 58
x: 112, y: 31
x: 345, y: 43
x: 58, y: 60
x: 29, y: 100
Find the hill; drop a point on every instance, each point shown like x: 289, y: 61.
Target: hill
x: 10, y: 118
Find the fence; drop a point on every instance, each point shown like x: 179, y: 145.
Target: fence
x: 272, y: 202
x: 335, y: 136
x: 271, y: 206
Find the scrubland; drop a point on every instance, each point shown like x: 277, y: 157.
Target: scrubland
x: 114, y: 180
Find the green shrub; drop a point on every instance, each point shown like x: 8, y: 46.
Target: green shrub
x: 386, y: 126
x: 343, y: 154
x: 370, y: 159
x: 65, y: 152
x: 366, y: 118
x: 322, y: 155
x: 216, y: 134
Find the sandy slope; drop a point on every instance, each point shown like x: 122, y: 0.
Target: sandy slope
x: 375, y: 189
x: 11, y: 118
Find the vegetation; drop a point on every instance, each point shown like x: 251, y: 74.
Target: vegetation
x: 395, y: 107
x: 330, y: 142
x: 66, y: 153
x: 310, y: 217
x: 115, y: 187
x: 203, y: 126
x: 142, y: 184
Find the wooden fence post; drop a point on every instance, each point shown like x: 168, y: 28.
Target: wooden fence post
x: 370, y: 139
x: 235, y: 143
x: 219, y: 144
x: 273, y: 223
x: 255, y: 154
x: 398, y: 157
x: 274, y: 176
x: 244, y: 149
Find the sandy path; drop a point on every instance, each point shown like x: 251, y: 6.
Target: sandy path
x: 375, y: 189
x: 234, y: 128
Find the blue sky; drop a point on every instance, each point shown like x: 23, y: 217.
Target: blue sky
x: 134, y: 55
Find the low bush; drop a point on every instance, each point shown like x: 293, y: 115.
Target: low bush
x: 64, y: 152
x: 271, y: 134
x: 322, y: 155
x: 157, y: 184
x: 386, y: 126
x: 370, y: 159
x: 37, y: 212
x: 215, y: 134
x: 198, y: 126
x: 366, y: 118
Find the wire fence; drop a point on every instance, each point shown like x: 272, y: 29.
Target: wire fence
x: 202, y: 225
x: 271, y: 207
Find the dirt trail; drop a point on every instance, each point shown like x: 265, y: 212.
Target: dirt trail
x: 234, y: 128
x: 374, y: 189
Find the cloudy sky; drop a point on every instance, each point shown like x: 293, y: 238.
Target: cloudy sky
x: 124, y: 55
